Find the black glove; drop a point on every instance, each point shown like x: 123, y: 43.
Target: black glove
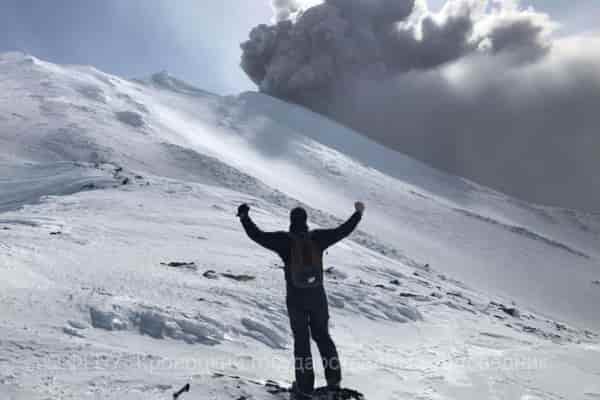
x: 243, y: 210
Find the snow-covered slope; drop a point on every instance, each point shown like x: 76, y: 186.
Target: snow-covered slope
x: 150, y: 172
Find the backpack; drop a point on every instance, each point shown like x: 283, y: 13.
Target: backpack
x: 306, y: 262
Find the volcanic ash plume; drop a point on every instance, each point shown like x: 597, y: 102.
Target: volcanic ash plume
x: 480, y: 88
x: 333, y: 44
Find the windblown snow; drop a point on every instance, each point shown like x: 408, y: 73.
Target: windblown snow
x: 124, y: 273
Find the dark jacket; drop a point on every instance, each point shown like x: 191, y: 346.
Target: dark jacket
x: 281, y: 243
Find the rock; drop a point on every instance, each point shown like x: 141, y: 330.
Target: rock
x: 56, y: 233
x: 185, y: 265
x: 395, y: 282
x: 181, y: 391
x: 386, y: 288
x: 239, y: 278
x: 414, y: 296
x: 210, y: 274
x: 596, y: 282
x: 335, y: 273
x: 512, y: 311
x: 560, y: 327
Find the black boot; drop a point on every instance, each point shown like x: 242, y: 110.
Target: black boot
x: 334, y: 392
x: 297, y: 394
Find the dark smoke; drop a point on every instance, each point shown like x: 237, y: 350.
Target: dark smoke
x: 478, y: 89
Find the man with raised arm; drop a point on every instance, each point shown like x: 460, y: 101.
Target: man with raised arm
x: 302, y: 253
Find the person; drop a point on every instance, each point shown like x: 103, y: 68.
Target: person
x: 306, y: 300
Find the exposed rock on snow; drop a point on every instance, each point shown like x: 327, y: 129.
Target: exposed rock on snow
x: 512, y: 311
x: 414, y: 296
x: 210, y: 274
x: 382, y: 286
x: 239, y: 278
x: 185, y: 265
x: 131, y: 118
x: 335, y: 273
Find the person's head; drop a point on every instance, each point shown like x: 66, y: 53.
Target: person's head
x: 298, y: 218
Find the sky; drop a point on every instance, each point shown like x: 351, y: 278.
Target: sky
x: 195, y: 40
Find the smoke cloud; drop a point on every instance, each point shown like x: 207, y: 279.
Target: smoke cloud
x: 481, y: 88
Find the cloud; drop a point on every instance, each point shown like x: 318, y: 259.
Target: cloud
x: 479, y: 88
x: 285, y: 9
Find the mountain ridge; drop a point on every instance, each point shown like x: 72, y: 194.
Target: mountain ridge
x: 125, y: 272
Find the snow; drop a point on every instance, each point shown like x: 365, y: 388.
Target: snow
x: 124, y: 273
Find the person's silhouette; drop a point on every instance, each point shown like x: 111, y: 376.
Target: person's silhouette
x: 302, y: 250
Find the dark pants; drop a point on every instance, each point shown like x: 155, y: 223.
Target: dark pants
x: 309, y: 316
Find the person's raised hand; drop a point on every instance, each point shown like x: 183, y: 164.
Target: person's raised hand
x: 243, y: 210
x: 359, y: 206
